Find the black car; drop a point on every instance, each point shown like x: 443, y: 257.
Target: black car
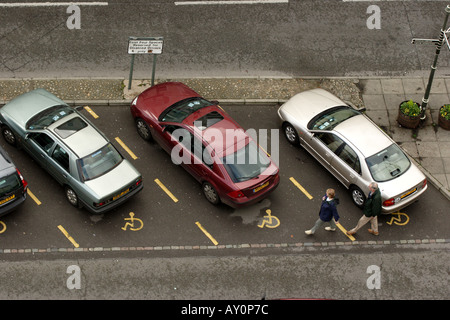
x: 13, y: 187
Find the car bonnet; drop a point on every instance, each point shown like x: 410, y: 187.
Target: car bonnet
x: 24, y: 107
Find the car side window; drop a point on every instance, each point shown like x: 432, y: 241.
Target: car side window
x: 61, y: 157
x: 199, y: 150
x: 331, y: 141
x: 43, y: 141
x: 351, y: 158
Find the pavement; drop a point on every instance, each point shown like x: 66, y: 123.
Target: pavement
x: 428, y: 145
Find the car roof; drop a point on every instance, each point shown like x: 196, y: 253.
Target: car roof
x: 159, y: 97
x: 82, y: 142
x: 25, y: 106
x: 232, y: 135
x: 364, y: 135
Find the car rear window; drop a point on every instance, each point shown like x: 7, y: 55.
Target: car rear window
x: 99, y: 162
x: 9, y: 184
x: 388, y: 164
x: 246, y: 163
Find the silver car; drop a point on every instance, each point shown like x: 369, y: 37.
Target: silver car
x: 353, y: 148
x: 64, y: 142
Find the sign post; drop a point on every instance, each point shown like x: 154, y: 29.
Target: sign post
x: 147, y: 45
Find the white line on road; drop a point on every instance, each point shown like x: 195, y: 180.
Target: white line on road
x: 52, y: 4
x: 199, y: 3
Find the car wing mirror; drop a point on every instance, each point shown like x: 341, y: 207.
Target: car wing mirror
x: 352, y: 105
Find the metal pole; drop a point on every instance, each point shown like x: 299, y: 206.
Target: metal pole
x: 153, y: 69
x: 131, y: 72
x: 433, y: 67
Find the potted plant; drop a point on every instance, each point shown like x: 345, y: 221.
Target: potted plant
x: 444, y: 117
x: 409, y: 114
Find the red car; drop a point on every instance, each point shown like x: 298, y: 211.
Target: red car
x: 207, y: 142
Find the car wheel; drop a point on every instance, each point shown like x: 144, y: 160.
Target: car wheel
x: 143, y: 129
x: 72, y: 197
x: 291, y: 134
x: 358, y: 197
x: 210, y: 193
x: 9, y: 135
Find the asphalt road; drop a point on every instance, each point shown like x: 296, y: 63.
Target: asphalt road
x: 293, y: 38
x: 169, y: 223
x: 172, y: 258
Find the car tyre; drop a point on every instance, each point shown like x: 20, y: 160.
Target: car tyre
x: 143, y: 129
x: 210, y: 193
x: 72, y: 197
x: 9, y: 136
x: 358, y: 197
x: 291, y: 134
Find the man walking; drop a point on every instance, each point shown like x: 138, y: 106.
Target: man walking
x: 371, y: 210
x: 327, y: 212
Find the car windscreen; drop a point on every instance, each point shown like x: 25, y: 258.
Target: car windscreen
x: 330, y: 118
x: 388, y: 164
x: 9, y: 184
x: 246, y: 163
x: 99, y: 162
x: 48, y: 116
x: 182, y: 109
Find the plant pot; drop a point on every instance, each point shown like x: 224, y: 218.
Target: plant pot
x: 442, y: 122
x: 408, y: 121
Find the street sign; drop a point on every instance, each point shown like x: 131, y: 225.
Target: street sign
x: 145, y: 45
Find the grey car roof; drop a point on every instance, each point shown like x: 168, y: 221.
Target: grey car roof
x: 25, y: 106
x: 82, y: 142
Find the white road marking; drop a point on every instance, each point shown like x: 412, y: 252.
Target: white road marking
x: 51, y: 4
x: 212, y: 2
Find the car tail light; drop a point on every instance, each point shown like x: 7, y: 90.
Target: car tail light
x: 236, y: 194
x: 100, y: 204
x: 25, y: 184
x: 424, y: 183
x: 389, y: 202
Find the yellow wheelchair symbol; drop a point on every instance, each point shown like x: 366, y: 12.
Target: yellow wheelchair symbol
x: 131, y: 224
x: 269, y: 221
x: 3, y: 227
x: 398, y: 220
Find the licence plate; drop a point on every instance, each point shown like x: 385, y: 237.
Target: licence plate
x: 408, y: 193
x: 121, y: 194
x: 261, y: 187
x: 7, y: 199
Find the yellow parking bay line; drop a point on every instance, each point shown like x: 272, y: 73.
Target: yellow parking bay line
x: 33, y: 197
x: 159, y: 183
x: 298, y: 185
x: 60, y: 227
x: 88, y: 109
x: 126, y: 148
x: 345, y: 231
x: 207, y: 233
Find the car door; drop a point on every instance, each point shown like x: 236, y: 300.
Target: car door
x: 324, y: 146
x: 39, y: 144
x: 60, y: 165
x: 347, y: 165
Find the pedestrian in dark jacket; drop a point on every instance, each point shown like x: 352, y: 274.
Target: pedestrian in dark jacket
x: 371, y: 210
x: 328, y: 213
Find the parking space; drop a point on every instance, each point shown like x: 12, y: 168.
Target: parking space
x: 172, y: 211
